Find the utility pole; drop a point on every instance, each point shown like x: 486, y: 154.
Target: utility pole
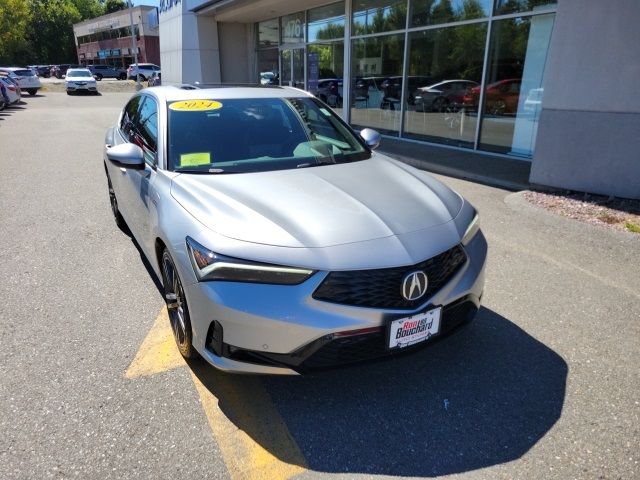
x: 134, y: 46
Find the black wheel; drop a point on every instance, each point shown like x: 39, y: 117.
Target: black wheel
x: 440, y: 104
x: 142, y: 78
x: 32, y: 91
x: 177, y: 306
x: 122, y: 76
x: 98, y: 76
x: 69, y: 93
x: 122, y: 225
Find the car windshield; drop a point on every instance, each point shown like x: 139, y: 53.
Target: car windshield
x: 79, y: 73
x: 24, y: 73
x: 254, y: 135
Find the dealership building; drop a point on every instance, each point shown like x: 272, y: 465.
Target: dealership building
x: 541, y: 81
x: 106, y: 40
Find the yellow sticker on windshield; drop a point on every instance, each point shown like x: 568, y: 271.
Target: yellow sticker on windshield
x: 195, y: 105
x: 195, y: 159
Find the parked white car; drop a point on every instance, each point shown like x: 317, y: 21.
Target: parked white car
x: 9, y: 91
x: 25, y: 78
x: 144, y: 70
x: 80, y: 80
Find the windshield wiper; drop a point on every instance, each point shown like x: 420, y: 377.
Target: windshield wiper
x: 316, y: 164
x: 209, y: 171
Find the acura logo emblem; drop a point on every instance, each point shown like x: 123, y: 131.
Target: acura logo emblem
x: 414, y: 285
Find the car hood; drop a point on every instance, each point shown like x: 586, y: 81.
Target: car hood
x: 319, y: 206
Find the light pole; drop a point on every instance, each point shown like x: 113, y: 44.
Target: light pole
x: 133, y: 45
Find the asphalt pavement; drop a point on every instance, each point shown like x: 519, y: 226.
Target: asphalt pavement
x: 544, y: 384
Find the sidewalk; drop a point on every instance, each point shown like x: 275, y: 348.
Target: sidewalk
x: 485, y: 169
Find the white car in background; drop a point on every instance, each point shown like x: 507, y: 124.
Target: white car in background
x: 144, y: 70
x: 25, y: 78
x: 80, y: 80
x: 11, y: 91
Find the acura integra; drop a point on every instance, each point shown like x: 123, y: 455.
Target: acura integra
x: 284, y: 242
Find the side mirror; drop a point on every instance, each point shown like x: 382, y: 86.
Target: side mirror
x: 371, y: 138
x: 127, y: 155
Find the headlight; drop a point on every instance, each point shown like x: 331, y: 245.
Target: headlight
x: 209, y: 265
x: 472, y: 229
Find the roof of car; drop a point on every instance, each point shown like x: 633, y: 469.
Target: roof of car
x: 171, y: 93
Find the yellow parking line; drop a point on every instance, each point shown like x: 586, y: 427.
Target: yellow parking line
x: 158, y: 352
x: 254, y: 440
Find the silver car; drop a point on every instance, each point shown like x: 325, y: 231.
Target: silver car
x: 284, y: 242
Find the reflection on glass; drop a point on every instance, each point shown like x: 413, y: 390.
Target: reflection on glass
x: 432, y: 12
x: 374, y: 16
x: 268, y: 67
x: 268, y: 33
x: 377, y: 82
x: 326, y: 23
x: 513, y: 6
x: 515, y: 72
x: 445, y: 65
x: 293, y: 28
x: 325, y: 67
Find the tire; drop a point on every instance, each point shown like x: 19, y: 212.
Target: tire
x: 2, y: 105
x: 439, y: 105
x: 122, y: 225
x: 122, y: 76
x: 177, y: 306
x: 99, y: 77
x: 32, y: 91
x: 69, y: 93
x: 142, y: 78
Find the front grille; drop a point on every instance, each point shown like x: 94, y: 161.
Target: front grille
x: 341, y: 351
x: 382, y: 288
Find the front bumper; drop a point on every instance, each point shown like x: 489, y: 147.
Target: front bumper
x: 278, y: 329
x: 81, y: 88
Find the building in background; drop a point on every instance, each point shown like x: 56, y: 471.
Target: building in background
x: 107, y: 39
x: 541, y: 81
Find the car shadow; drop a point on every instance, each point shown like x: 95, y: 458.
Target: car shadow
x: 481, y: 397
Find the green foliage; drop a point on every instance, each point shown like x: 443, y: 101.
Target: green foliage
x: 14, y: 20
x: 632, y: 227
x: 111, y: 6
x: 41, y: 31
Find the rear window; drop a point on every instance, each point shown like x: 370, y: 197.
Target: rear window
x: 24, y: 73
x: 79, y: 73
x: 253, y: 135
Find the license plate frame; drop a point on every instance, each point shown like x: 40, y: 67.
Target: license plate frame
x: 432, y: 318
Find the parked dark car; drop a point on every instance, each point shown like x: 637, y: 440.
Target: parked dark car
x: 44, y: 71
x: 107, y: 71
x: 59, y: 71
x: 330, y: 91
x: 439, y: 96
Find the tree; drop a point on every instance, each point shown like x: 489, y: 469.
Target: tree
x: 50, y: 31
x: 14, y: 21
x: 89, y: 8
x: 111, y: 6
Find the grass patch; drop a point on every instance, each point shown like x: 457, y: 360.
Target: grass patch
x: 632, y: 227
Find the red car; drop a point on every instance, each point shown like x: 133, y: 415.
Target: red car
x: 501, y: 97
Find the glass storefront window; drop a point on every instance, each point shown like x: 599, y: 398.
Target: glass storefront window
x: 432, y: 12
x: 293, y: 28
x: 268, y: 70
x: 326, y: 23
x: 375, y: 16
x: 513, y: 95
x: 376, y: 71
x: 513, y: 6
x: 445, y: 70
x: 325, y: 66
x: 268, y: 33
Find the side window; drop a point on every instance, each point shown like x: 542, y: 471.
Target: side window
x: 148, y: 126
x: 129, y: 119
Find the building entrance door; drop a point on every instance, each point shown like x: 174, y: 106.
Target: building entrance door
x: 292, y: 67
